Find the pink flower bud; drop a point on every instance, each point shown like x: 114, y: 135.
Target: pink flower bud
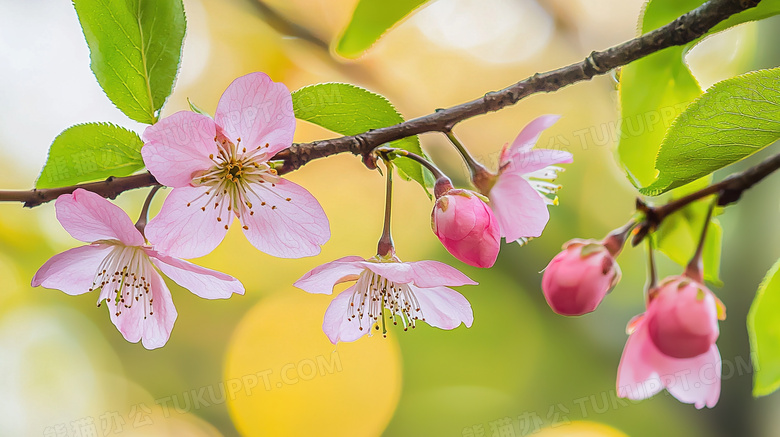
x: 684, y: 322
x: 466, y: 227
x: 578, y: 278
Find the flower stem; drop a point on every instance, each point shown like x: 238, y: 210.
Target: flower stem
x: 437, y: 174
x: 144, y: 217
x: 652, y: 275
x: 385, y: 246
x: 481, y: 177
x: 695, y: 268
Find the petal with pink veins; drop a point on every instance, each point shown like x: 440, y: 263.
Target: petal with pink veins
x: 444, y: 308
x: 322, y: 279
x: 697, y: 381
x: 518, y: 207
x: 178, y: 146
x: 72, y: 271
x: 259, y: 111
x: 188, y: 231
x: 535, y: 160
x: 139, y: 322
x: 286, y: 220
x: 89, y: 217
x: 337, y: 324
x: 421, y: 273
x: 203, y: 282
x: 530, y: 134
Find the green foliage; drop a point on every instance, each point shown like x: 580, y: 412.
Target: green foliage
x: 371, y: 19
x: 764, y: 330
x: 732, y: 120
x: 91, y: 151
x: 655, y: 89
x: 350, y: 110
x: 135, y: 48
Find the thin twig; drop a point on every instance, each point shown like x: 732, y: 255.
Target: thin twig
x: 683, y: 30
x: 728, y: 190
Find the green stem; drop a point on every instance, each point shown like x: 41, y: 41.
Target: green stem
x: 144, y: 217
x: 695, y: 268
x: 385, y: 246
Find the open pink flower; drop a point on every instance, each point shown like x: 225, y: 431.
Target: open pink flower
x: 466, y: 227
x: 519, y: 194
x: 406, y: 292
x: 644, y: 370
x: 124, y: 269
x: 219, y: 168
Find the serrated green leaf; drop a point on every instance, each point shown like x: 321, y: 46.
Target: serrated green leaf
x: 135, y: 49
x: 763, y: 326
x: 678, y: 235
x: 88, y: 152
x: 350, y: 110
x: 371, y: 19
x: 657, y: 88
x: 732, y: 120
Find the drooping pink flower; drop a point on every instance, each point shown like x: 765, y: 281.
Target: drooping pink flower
x: 466, y: 227
x: 684, y: 322
x: 578, y: 278
x: 120, y: 264
x: 404, y: 292
x: 644, y: 370
x: 219, y: 169
x: 519, y: 195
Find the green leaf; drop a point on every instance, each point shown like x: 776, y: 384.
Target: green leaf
x: 371, y: 19
x: 763, y: 326
x: 732, y: 120
x: 91, y: 151
x: 350, y: 110
x: 657, y: 88
x: 678, y: 235
x: 135, y: 48
x: 197, y: 109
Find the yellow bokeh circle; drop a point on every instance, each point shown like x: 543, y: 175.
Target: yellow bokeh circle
x: 284, y: 378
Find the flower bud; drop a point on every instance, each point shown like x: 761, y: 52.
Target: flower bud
x: 683, y: 322
x: 466, y: 227
x: 578, y: 278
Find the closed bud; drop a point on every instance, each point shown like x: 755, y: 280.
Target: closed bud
x: 684, y: 320
x: 578, y: 278
x: 466, y: 227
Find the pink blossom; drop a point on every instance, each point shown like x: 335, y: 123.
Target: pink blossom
x: 644, y: 370
x: 120, y: 264
x: 684, y: 322
x: 578, y: 278
x: 404, y: 292
x: 220, y: 168
x: 466, y: 227
x: 519, y: 195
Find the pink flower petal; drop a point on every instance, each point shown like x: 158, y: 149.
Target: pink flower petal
x: 697, y: 381
x: 187, y: 231
x: 444, y: 308
x: 89, y: 217
x: 519, y: 209
x: 527, y: 137
x: 644, y: 371
x: 421, y: 273
x: 322, y: 279
x: 72, y: 271
x: 337, y: 324
x: 178, y: 146
x: 203, y: 282
x: 259, y: 111
x: 288, y: 222
x: 533, y: 160
x: 139, y: 323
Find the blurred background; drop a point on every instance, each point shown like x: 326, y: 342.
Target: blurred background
x: 259, y: 364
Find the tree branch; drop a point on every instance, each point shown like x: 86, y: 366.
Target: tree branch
x: 683, y: 30
x: 728, y: 190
